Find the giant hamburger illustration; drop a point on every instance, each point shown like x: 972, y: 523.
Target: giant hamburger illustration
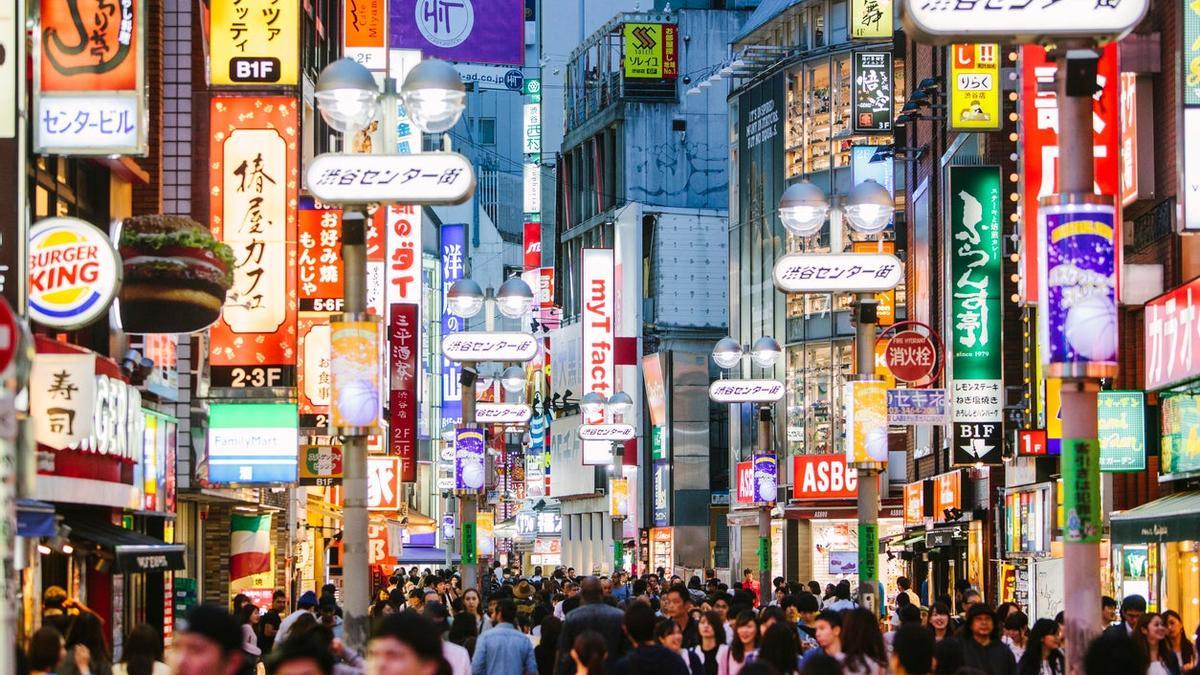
x: 176, y: 275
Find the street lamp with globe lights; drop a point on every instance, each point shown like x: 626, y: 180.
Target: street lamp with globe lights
x: 611, y: 413
x: 347, y: 96
x: 434, y: 96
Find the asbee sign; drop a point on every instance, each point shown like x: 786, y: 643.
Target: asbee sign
x: 944, y: 21
x: 74, y: 272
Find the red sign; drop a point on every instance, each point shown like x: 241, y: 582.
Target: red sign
x: 1129, y: 158
x: 90, y: 46
x: 10, y: 335
x: 1172, y: 332
x: 1031, y: 442
x: 546, y: 289
x: 947, y: 493
x: 745, y: 482
x: 319, y: 258
x: 533, y: 246
x: 823, y: 477
x: 1039, y: 131
x: 403, y: 330
x: 914, y: 503
x: 911, y: 356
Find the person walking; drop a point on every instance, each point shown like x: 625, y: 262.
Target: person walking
x: 780, y: 648
x: 841, y: 597
x: 268, y: 623
x: 589, y: 653
x: 1150, y: 636
x: 48, y: 649
x: 912, y: 651
x: 862, y: 643
x: 828, y: 625
x: 941, y: 624
x: 247, y: 618
x: 1043, y: 655
x: 142, y: 653
x: 78, y: 624
x: 1132, y: 609
x: 307, y: 604
x: 504, y: 650
x: 677, y: 605
x: 406, y: 643
x: 1178, y: 642
x: 982, y: 647
x: 592, y: 614
x: 712, y: 647
x: 744, y: 646
x: 456, y: 655
x: 669, y: 635
x: 209, y: 642
x: 546, y: 651
x: 647, y: 657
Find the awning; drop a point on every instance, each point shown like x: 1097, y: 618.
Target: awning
x: 35, y: 519
x: 133, y: 551
x: 414, y: 555
x: 1172, y: 518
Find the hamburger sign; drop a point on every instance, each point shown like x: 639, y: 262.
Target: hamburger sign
x: 74, y: 272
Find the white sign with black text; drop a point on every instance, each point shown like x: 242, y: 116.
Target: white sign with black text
x: 424, y: 178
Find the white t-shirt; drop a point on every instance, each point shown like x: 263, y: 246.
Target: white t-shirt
x: 457, y: 657
x: 1157, y: 668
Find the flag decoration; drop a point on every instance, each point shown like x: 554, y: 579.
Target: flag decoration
x: 250, y: 546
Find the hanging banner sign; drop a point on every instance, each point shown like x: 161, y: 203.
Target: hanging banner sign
x: 606, y: 432
x: 319, y: 261
x: 254, y: 190
x: 354, y: 374
x: 866, y: 423
x: 1077, y: 303
x: 503, y: 413
x: 745, y: 482
x: 766, y: 479
x: 425, y: 178
x: 913, y: 407
x: 976, y: 309
x: 942, y: 22
x: 651, y: 51
x: 597, y: 292
x: 479, y: 346
x: 618, y: 497
x: 403, y: 350
x: 468, y: 459
x: 1121, y: 424
x: 975, y: 87
x: 74, y: 273
x: 453, y: 258
x: 746, y: 391
x: 254, y: 42
x: 874, y: 108
x: 871, y: 19
x: 837, y: 272
x: 89, y: 78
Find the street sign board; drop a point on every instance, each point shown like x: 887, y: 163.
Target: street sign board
x: 746, y: 391
x: 10, y: 335
x: 502, y: 413
x: 911, y: 356
x: 606, y: 432
x: 477, y: 346
x: 944, y: 22
x: 912, y: 407
x: 838, y: 272
x: 422, y: 178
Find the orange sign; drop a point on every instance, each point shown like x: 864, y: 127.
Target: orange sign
x: 365, y: 39
x: 319, y: 258
x: 886, y: 309
x: 90, y: 45
x: 254, y: 178
x: 914, y: 503
x: 947, y: 493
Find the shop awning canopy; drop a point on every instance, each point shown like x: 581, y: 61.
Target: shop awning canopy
x: 132, y: 551
x: 1172, y: 518
x: 35, y: 519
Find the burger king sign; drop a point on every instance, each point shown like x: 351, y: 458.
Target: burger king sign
x: 74, y: 272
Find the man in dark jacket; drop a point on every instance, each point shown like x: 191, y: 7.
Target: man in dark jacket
x: 592, y: 614
x: 1132, y: 609
x: 648, y: 657
x: 677, y: 605
x: 981, y: 648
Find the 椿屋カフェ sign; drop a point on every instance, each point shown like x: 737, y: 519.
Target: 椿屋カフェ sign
x: 838, y: 272
x: 425, y: 178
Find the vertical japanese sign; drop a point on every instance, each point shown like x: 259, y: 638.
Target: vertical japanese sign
x: 364, y: 32
x: 866, y: 423
x: 975, y: 87
x: 975, y: 313
x: 1121, y: 421
x: 598, y: 332
x: 1077, y: 313
x: 532, y: 136
x: 453, y: 257
x: 319, y: 257
x: 533, y: 249
x: 254, y: 181
x: 1129, y: 144
x: 89, y: 78
x: 468, y: 458
x: 402, y: 399
x: 873, y: 96
x: 1081, y: 491
x: 651, y: 51
x: 1039, y: 145
x: 662, y: 500
x: 254, y: 42
x: 871, y: 19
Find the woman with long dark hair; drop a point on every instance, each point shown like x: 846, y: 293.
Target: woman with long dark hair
x: 862, y: 643
x: 143, y: 653
x: 941, y: 624
x: 1178, y: 642
x: 745, y: 642
x: 588, y: 653
x: 1043, y: 655
x: 668, y: 634
x: 473, y: 609
x: 1150, y: 636
x: 712, y: 647
x: 247, y: 617
x: 780, y: 647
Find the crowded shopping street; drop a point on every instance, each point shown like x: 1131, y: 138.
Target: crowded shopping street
x: 599, y: 337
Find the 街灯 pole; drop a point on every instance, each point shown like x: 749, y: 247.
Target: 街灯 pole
x: 868, y: 476
x: 356, y: 577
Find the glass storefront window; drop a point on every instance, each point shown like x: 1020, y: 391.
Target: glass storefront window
x: 816, y: 373
x: 816, y: 20
x: 817, y: 115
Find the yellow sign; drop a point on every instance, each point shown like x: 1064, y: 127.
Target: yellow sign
x: 871, y: 19
x: 882, y: 372
x: 1054, y: 415
x: 651, y: 51
x: 485, y: 528
x: 885, y: 307
x: 618, y: 497
x: 254, y: 42
x: 975, y: 87
x: 866, y: 423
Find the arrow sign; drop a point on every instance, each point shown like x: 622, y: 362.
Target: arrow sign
x: 978, y: 448
x: 422, y: 178
x: 606, y: 432
x: 474, y: 347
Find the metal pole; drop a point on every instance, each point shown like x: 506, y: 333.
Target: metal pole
x: 766, y: 437
x: 472, y: 575
x: 1081, y: 561
x: 868, y: 477
x: 356, y: 575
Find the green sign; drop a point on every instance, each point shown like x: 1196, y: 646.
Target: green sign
x: 468, y: 544
x: 533, y: 89
x: 868, y: 551
x: 1081, y: 491
x: 976, y: 309
x: 618, y: 554
x: 1121, y: 419
x: 764, y: 553
x: 1191, y: 53
x: 1180, y: 448
x: 658, y: 449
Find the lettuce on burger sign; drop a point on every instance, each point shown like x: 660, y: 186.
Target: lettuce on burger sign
x: 74, y: 273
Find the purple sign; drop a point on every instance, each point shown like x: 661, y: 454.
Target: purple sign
x: 454, y: 256
x: 766, y: 484
x: 483, y: 31
x: 1077, y: 309
x: 468, y: 458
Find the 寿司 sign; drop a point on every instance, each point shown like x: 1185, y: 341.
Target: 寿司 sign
x: 944, y: 21
x: 838, y: 272
x: 823, y: 477
x: 606, y: 432
x: 474, y: 346
x: 74, y: 272
x: 746, y: 391
x: 424, y: 178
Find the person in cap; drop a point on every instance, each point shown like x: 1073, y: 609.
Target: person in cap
x: 307, y: 604
x: 208, y: 642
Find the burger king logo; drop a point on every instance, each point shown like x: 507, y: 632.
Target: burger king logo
x: 74, y: 272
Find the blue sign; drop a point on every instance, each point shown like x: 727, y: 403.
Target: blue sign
x: 453, y: 255
x: 662, y: 478
x: 916, y: 406
x: 514, y: 79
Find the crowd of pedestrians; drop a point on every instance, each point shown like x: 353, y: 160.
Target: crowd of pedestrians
x: 563, y: 624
